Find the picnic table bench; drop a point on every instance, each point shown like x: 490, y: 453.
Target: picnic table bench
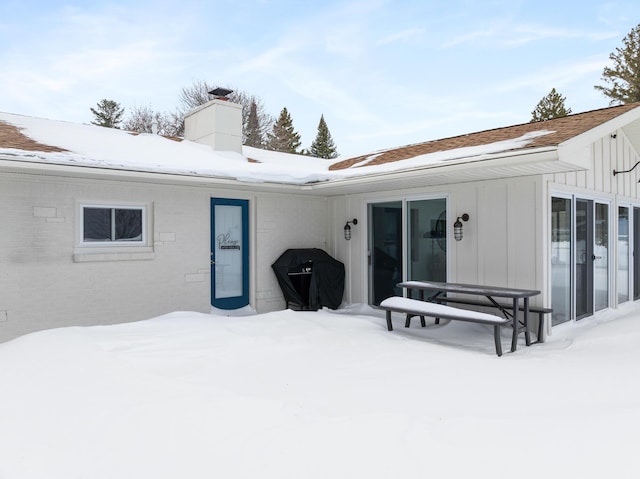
x: 438, y: 292
x: 506, y: 309
x: 416, y: 307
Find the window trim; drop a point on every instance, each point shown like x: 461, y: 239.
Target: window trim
x: 143, y: 242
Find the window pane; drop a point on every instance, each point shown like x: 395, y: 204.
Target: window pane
x: 228, y: 254
x: 385, y: 248
x: 601, y: 257
x: 128, y: 225
x: 97, y: 224
x: 561, y: 260
x: 623, y: 254
x: 427, y: 240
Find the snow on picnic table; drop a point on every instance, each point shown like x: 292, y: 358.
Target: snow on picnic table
x: 319, y: 395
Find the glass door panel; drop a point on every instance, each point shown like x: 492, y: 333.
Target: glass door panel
x: 623, y: 254
x: 636, y: 253
x: 600, y: 257
x: 427, y: 240
x: 583, y: 260
x: 560, y: 260
x: 229, y: 253
x: 385, y: 250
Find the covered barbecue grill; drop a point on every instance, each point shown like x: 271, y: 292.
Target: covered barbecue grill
x: 310, y: 279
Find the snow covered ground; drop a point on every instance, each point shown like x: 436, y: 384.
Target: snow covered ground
x: 319, y: 395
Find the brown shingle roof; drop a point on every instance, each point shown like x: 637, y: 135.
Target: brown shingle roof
x: 563, y: 129
x: 12, y: 137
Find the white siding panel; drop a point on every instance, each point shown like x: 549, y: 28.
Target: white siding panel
x: 607, y: 154
x: 523, y: 253
x: 463, y: 259
x: 492, y: 229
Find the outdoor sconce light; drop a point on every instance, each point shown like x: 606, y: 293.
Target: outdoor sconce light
x: 626, y: 171
x: 347, y: 229
x: 457, y: 226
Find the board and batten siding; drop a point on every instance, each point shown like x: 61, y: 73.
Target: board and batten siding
x: 606, y: 154
x: 501, y: 245
x: 48, y: 281
x: 611, y: 152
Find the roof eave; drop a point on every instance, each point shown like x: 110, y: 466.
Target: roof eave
x: 603, y: 129
x: 510, y: 164
x: 12, y: 165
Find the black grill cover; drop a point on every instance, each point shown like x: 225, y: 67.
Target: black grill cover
x: 310, y: 278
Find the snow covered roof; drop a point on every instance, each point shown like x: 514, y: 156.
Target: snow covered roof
x: 502, y: 152
x: 558, y: 130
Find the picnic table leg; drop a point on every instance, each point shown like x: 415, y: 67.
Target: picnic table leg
x: 514, y: 337
x: 527, y: 334
x: 407, y: 321
x: 541, y: 327
x: 389, y: 325
x: 496, y: 337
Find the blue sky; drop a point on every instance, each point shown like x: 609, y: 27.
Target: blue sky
x: 383, y: 73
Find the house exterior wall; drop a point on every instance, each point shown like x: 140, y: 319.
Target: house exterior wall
x: 47, y: 281
x: 613, y: 151
x: 501, y: 245
x: 507, y: 239
x: 605, y: 155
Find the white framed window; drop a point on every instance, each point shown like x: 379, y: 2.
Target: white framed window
x: 103, y: 225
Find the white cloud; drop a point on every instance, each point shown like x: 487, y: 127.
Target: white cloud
x: 400, y: 36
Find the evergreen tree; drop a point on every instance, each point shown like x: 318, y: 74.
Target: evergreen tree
x: 283, y: 137
x: 108, y: 113
x: 624, y: 77
x: 551, y: 106
x: 323, y: 146
x: 252, y: 131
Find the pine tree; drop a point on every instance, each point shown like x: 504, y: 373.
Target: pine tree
x: 551, y: 106
x: 323, y: 146
x: 283, y: 137
x: 252, y: 130
x: 624, y: 77
x: 108, y: 113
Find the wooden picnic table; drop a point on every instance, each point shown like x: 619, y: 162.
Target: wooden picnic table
x: 438, y: 289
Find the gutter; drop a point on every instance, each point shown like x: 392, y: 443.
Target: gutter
x: 499, y: 160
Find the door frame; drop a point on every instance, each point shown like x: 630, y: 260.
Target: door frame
x: 405, y: 233
x: 612, y: 217
x: 235, y: 302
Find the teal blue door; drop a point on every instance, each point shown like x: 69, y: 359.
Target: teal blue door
x: 229, y: 253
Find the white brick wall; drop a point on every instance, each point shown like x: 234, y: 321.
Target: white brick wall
x: 47, y: 281
x: 283, y: 223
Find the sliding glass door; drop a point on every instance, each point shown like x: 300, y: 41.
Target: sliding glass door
x: 580, y: 275
x: 427, y: 248
x: 407, y: 240
x: 561, y: 264
x: 584, y: 262
x: 624, y: 272
x: 385, y: 250
x: 636, y: 253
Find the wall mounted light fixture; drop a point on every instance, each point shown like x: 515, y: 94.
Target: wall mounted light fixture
x: 457, y: 226
x: 347, y: 228
x: 626, y: 171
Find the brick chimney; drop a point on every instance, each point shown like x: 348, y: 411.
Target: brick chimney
x: 217, y: 123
